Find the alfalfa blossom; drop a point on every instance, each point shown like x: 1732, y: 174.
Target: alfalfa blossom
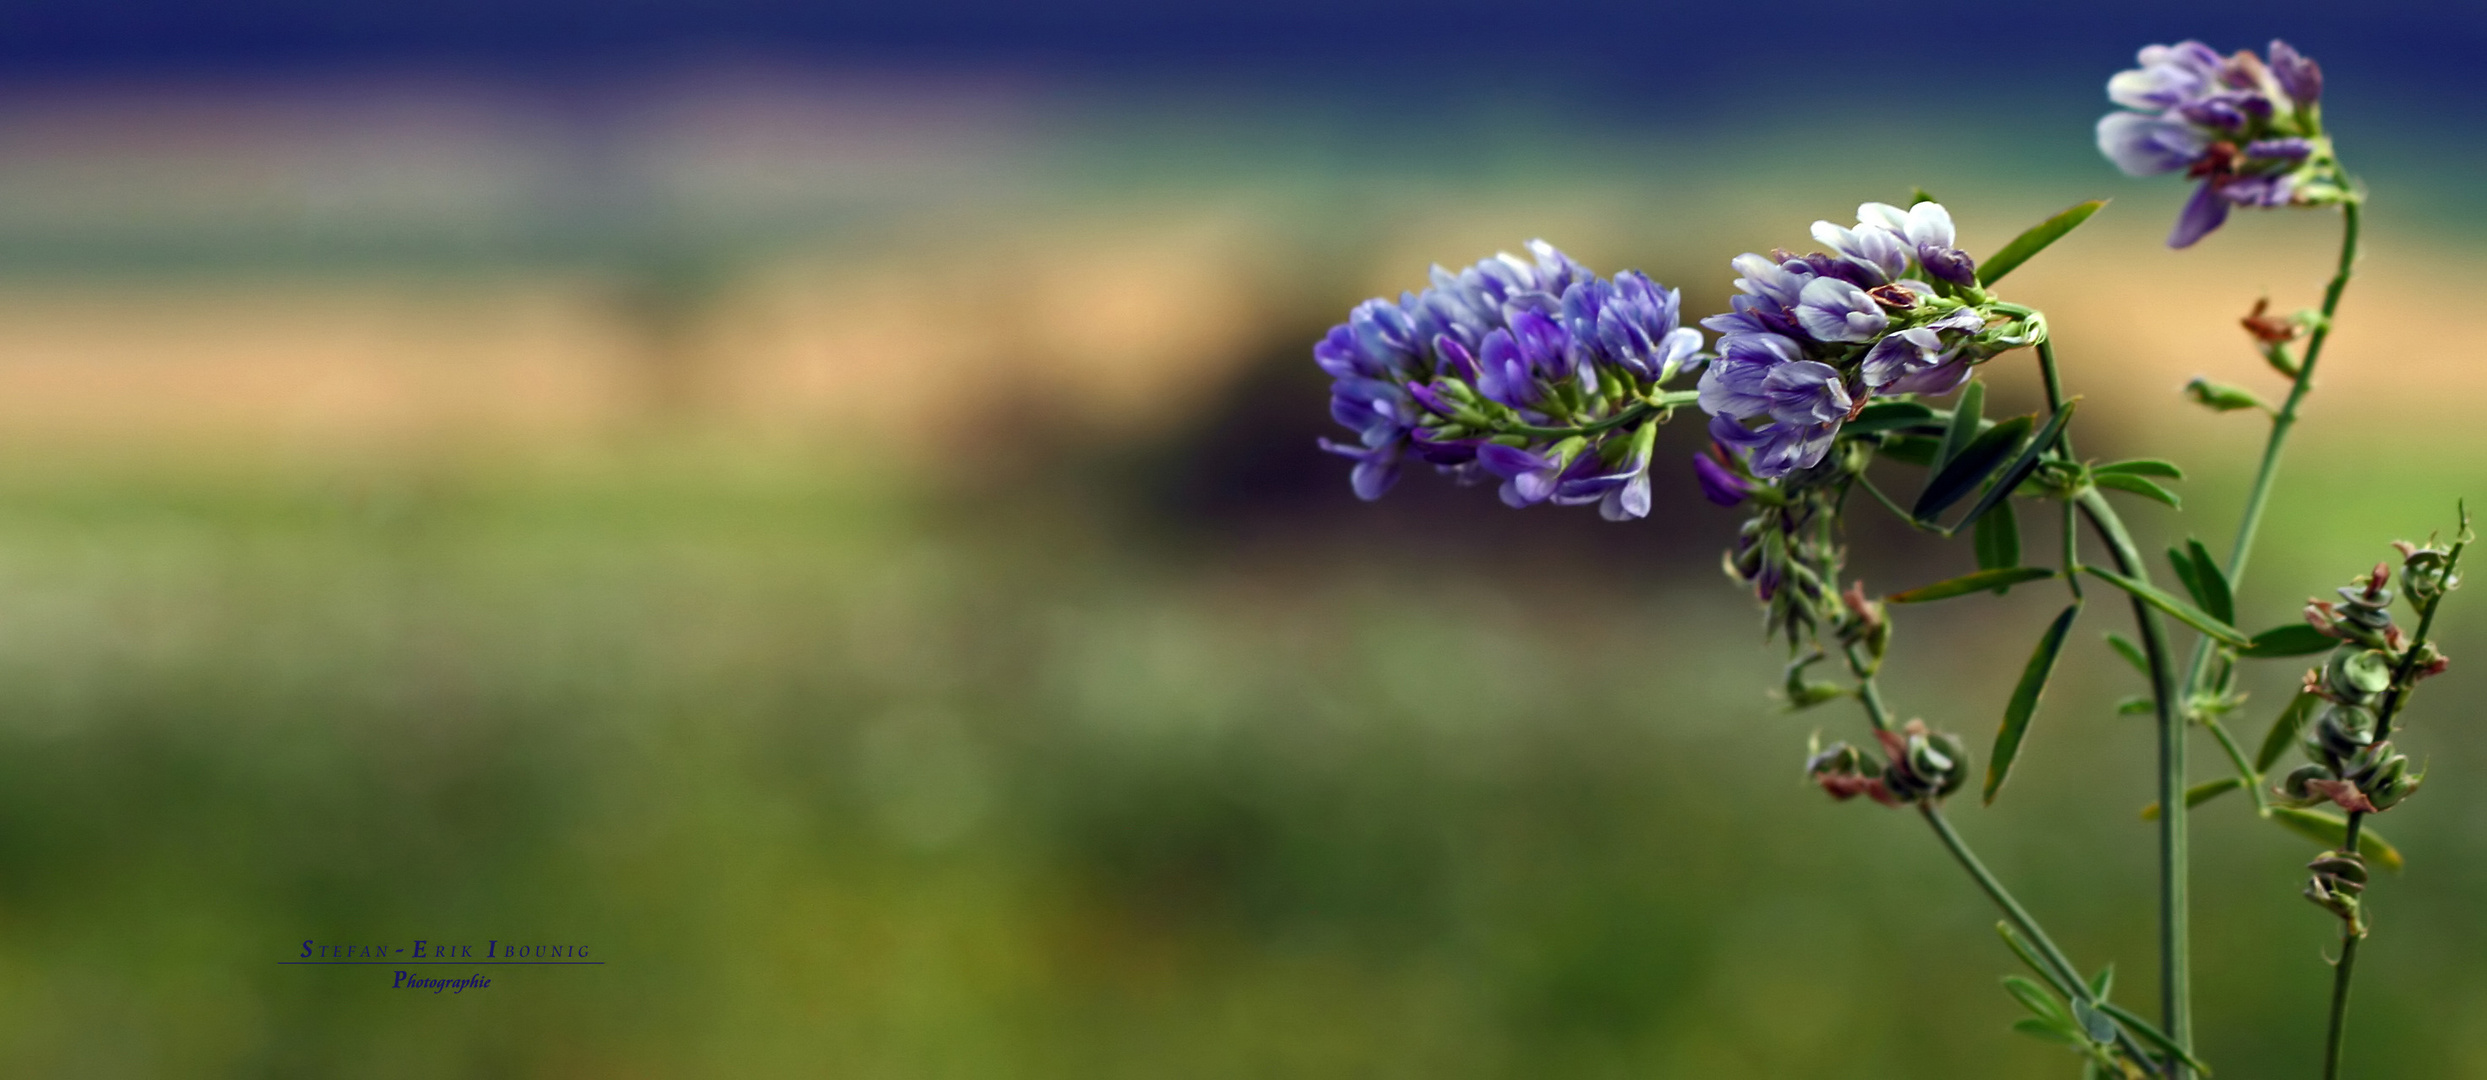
x: 1894, y: 307
x: 1532, y: 371
x: 2251, y: 131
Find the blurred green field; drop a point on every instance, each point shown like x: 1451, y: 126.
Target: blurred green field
x: 851, y: 780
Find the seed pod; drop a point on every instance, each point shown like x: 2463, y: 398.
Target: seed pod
x: 2345, y: 870
x: 2358, y: 677
x: 2339, y: 732
x: 2295, y: 783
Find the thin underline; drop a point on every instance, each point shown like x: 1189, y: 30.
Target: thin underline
x: 428, y: 960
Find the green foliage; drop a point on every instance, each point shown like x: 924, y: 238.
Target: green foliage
x: 2035, y: 240
x: 2182, y: 611
x: 1962, y: 472
x: 2024, y: 704
x: 2291, y: 639
x: 1965, y: 584
x: 2128, y: 482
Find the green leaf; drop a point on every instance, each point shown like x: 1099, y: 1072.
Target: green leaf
x: 2131, y: 653
x: 2138, y: 486
x: 2215, y: 597
x: 2142, y: 467
x: 1999, y: 493
x: 2135, y: 706
x: 2020, y: 947
x: 1969, y: 583
x: 1961, y: 473
x: 2093, y: 1023
x: 1912, y: 449
x: 2103, y: 982
x: 1888, y: 416
x: 2182, y: 611
x: 1917, y: 195
x: 2187, y: 574
x: 1998, y: 539
x: 2055, y: 1033
x: 2294, y: 639
x: 2037, y: 1000
x: 2152, y: 1035
x: 2284, y: 730
x: 2034, y: 241
x: 2330, y: 830
x: 2199, y: 794
x: 1966, y: 414
x: 2024, y: 704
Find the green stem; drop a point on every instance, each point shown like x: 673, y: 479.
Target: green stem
x: 2175, y: 917
x: 2003, y: 899
x: 2282, y: 421
x: 2340, y: 988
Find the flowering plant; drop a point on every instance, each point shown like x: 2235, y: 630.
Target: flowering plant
x: 1540, y: 374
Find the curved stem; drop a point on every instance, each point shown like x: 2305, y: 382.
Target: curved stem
x: 2175, y: 916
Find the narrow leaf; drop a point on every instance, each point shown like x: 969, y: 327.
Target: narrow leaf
x: 2182, y: 611
x: 2000, y: 492
x: 2294, y: 639
x: 2035, y: 240
x: 1913, y: 449
x: 2103, y: 982
x: 1962, y: 473
x: 2216, y: 597
x: 1889, y: 416
x: 2138, y: 486
x: 2020, y: 947
x: 1998, y: 539
x: 1969, y: 583
x: 2284, y: 730
x: 2152, y: 1035
x: 2131, y: 653
x: 2024, y: 704
x: 2198, y: 794
x: 2036, y: 999
x: 2135, y: 706
x: 2139, y: 467
x: 2330, y: 830
x: 2051, y: 1032
x: 2187, y: 575
x: 1966, y: 413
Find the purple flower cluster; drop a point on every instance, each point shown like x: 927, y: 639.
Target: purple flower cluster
x: 2250, y: 131
x: 1892, y: 308
x: 1534, y: 371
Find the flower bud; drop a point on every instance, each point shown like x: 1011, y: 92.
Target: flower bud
x: 2221, y: 397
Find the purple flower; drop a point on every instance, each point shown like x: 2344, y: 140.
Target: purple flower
x: 2243, y: 128
x: 2170, y: 75
x: 2144, y: 145
x: 1833, y: 310
x: 1467, y: 373
x: 2300, y: 78
x: 1719, y: 483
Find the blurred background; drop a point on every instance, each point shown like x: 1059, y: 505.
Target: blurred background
x: 818, y: 504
